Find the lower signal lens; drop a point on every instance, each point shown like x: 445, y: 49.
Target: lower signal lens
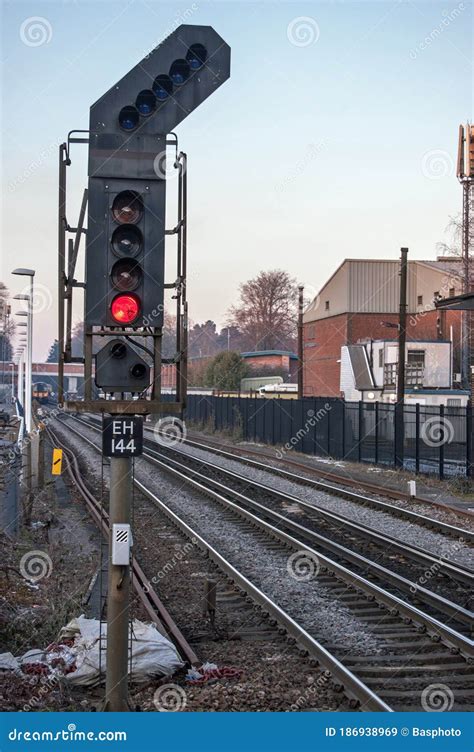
x: 125, y: 309
x: 138, y: 371
x: 118, y: 350
x: 126, y: 275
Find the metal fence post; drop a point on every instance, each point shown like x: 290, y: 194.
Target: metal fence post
x: 376, y: 454
x: 343, y: 403
x: 417, y: 438
x: 441, y: 445
x: 359, y: 434
x: 469, y: 440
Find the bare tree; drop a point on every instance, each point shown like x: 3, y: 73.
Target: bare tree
x: 267, y: 312
x: 454, y: 247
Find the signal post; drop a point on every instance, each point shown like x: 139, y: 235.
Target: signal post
x: 130, y: 129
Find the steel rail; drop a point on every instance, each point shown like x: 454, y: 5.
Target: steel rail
x: 374, y: 488
x: 443, y: 605
x: 418, y: 553
x: 436, y: 628
x: 395, y: 606
x: 354, y: 687
x: 156, y: 610
x: 449, y: 608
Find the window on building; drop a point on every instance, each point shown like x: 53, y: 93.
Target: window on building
x: 420, y: 299
x: 326, y: 305
x: 416, y: 358
x: 381, y: 357
x: 452, y: 292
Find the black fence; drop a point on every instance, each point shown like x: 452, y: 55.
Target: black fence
x: 436, y: 439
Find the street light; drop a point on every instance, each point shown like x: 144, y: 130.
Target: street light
x: 29, y: 355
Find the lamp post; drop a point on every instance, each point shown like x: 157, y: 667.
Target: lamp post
x: 29, y: 353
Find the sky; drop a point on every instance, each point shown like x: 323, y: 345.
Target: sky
x: 335, y: 136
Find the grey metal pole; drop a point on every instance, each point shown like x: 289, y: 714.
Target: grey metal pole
x: 29, y: 361
x: 402, y: 336
x: 118, y: 605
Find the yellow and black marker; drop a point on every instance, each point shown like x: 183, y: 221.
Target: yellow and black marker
x: 57, y: 461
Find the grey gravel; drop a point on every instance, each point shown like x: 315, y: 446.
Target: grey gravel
x: 308, y: 602
x: 383, y: 522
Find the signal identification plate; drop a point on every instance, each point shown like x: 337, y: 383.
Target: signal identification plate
x: 122, y: 436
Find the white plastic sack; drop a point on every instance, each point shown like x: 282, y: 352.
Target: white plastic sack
x: 152, y: 654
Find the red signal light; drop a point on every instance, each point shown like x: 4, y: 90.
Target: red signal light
x: 125, y: 309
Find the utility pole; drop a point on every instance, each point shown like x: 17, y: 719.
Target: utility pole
x: 300, y: 341
x: 402, y: 336
x: 118, y: 595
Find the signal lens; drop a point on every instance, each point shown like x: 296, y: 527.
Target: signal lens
x: 179, y: 72
x: 196, y: 56
x: 162, y: 87
x: 118, y: 350
x: 128, y: 118
x: 146, y: 102
x: 125, y: 309
x: 138, y: 371
x: 127, y: 207
x: 126, y: 240
x: 126, y: 275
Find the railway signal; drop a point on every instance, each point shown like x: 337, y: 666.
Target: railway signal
x: 125, y: 246
x: 130, y: 129
x: 125, y: 253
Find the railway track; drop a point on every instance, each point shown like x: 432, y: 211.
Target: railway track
x: 154, y: 607
x: 343, y: 489
x: 412, y: 650
x: 382, y: 557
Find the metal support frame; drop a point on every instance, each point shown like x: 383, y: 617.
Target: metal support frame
x: 67, y: 283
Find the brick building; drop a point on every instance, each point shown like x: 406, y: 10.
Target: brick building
x: 358, y: 302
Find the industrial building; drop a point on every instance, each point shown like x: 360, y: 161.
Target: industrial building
x: 359, y: 304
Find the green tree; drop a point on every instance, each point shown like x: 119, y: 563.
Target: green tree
x: 226, y: 370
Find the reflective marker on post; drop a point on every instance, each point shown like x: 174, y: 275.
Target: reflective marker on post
x: 57, y: 465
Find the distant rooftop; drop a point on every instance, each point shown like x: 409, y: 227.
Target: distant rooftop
x: 260, y: 353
